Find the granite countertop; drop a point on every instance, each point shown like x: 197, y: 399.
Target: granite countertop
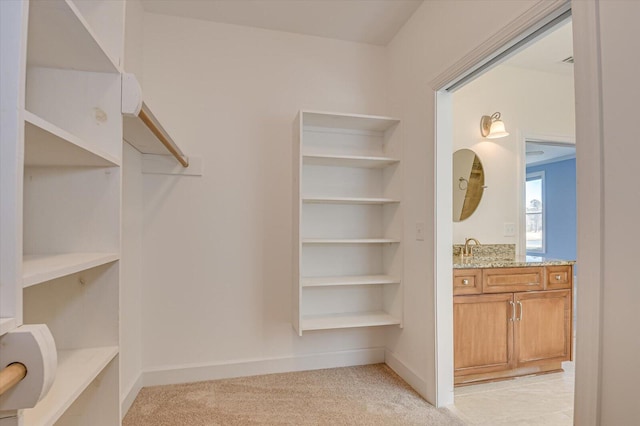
x: 500, y: 256
x: 506, y: 262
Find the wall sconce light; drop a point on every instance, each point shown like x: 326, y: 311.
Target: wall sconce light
x: 491, y: 127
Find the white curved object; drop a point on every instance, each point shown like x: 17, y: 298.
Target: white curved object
x: 33, y: 346
x: 131, y: 95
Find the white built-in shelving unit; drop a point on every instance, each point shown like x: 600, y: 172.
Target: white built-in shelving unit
x: 65, y: 189
x: 347, y: 228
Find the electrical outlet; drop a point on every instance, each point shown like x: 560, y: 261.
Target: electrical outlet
x: 509, y: 229
x: 419, y: 231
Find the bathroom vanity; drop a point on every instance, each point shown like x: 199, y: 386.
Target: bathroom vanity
x: 512, y: 317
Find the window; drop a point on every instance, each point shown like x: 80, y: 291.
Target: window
x: 534, y: 199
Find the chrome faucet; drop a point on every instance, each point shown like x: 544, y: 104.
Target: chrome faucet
x: 467, y: 250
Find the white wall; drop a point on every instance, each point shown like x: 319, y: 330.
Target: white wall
x: 134, y: 38
x: 620, y: 203
x: 436, y: 36
x: 202, y: 314
x: 532, y: 103
x: 217, y: 248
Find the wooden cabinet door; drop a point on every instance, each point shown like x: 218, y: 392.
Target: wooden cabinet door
x: 542, y: 329
x: 482, y: 333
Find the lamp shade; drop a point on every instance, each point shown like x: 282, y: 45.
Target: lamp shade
x: 497, y: 130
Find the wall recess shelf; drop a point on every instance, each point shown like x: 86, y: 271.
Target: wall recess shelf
x: 61, y: 199
x: 350, y: 241
x: 37, y: 269
x: 76, y: 370
x: 347, y: 160
x: 348, y: 200
x: 348, y: 320
x: 348, y: 280
x: 48, y: 145
x: 60, y: 37
x: 347, y: 231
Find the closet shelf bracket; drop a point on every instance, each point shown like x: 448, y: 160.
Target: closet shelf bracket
x: 141, y: 129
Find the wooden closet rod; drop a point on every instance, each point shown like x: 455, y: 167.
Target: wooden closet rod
x: 175, y: 151
x: 11, y: 376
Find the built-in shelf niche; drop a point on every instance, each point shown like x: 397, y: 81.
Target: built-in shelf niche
x: 81, y: 108
x: 76, y: 373
x: 37, y: 269
x: 71, y: 210
x: 62, y: 150
x: 78, y: 309
x: 48, y: 145
x: 348, y: 222
x: 61, y: 36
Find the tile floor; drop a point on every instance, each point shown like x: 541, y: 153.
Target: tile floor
x: 533, y: 400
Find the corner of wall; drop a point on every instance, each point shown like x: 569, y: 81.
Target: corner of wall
x: 407, y: 374
x: 129, y: 396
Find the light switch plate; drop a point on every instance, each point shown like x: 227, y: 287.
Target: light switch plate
x: 509, y: 229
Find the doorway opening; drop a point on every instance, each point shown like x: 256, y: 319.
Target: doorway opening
x: 535, y: 101
x: 550, y: 199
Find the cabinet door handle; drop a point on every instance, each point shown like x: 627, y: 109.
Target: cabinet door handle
x: 513, y: 311
x: 521, y: 311
x: 465, y: 282
x: 558, y: 277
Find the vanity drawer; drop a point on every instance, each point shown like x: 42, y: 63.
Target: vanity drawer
x: 559, y: 277
x: 504, y: 280
x: 467, y: 281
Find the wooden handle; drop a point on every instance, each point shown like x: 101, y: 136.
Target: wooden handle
x: 170, y: 147
x: 11, y: 376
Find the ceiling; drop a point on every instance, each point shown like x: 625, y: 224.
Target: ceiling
x: 547, y: 53
x: 364, y: 21
x: 541, y: 153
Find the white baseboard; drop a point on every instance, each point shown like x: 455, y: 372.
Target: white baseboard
x: 130, y: 396
x: 200, y: 372
x: 409, y: 376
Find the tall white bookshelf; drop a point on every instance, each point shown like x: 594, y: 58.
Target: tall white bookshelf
x: 67, y: 198
x: 347, y: 222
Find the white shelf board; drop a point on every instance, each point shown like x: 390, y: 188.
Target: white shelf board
x: 348, y: 121
x: 348, y: 200
x: 348, y: 280
x: 77, y: 368
x: 60, y: 37
x: 349, y: 240
x: 37, y: 269
x: 7, y: 324
x: 49, y: 145
x: 348, y: 320
x: 348, y: 160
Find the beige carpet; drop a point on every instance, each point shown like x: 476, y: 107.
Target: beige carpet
x: 363, y: 395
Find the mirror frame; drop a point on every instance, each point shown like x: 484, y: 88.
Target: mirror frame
x: 468, y: 183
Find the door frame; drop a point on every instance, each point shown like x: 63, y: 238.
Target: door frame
x: 589, y: 158
x: 522, y: 178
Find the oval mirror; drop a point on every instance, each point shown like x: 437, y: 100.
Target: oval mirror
x: 468, y: 183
